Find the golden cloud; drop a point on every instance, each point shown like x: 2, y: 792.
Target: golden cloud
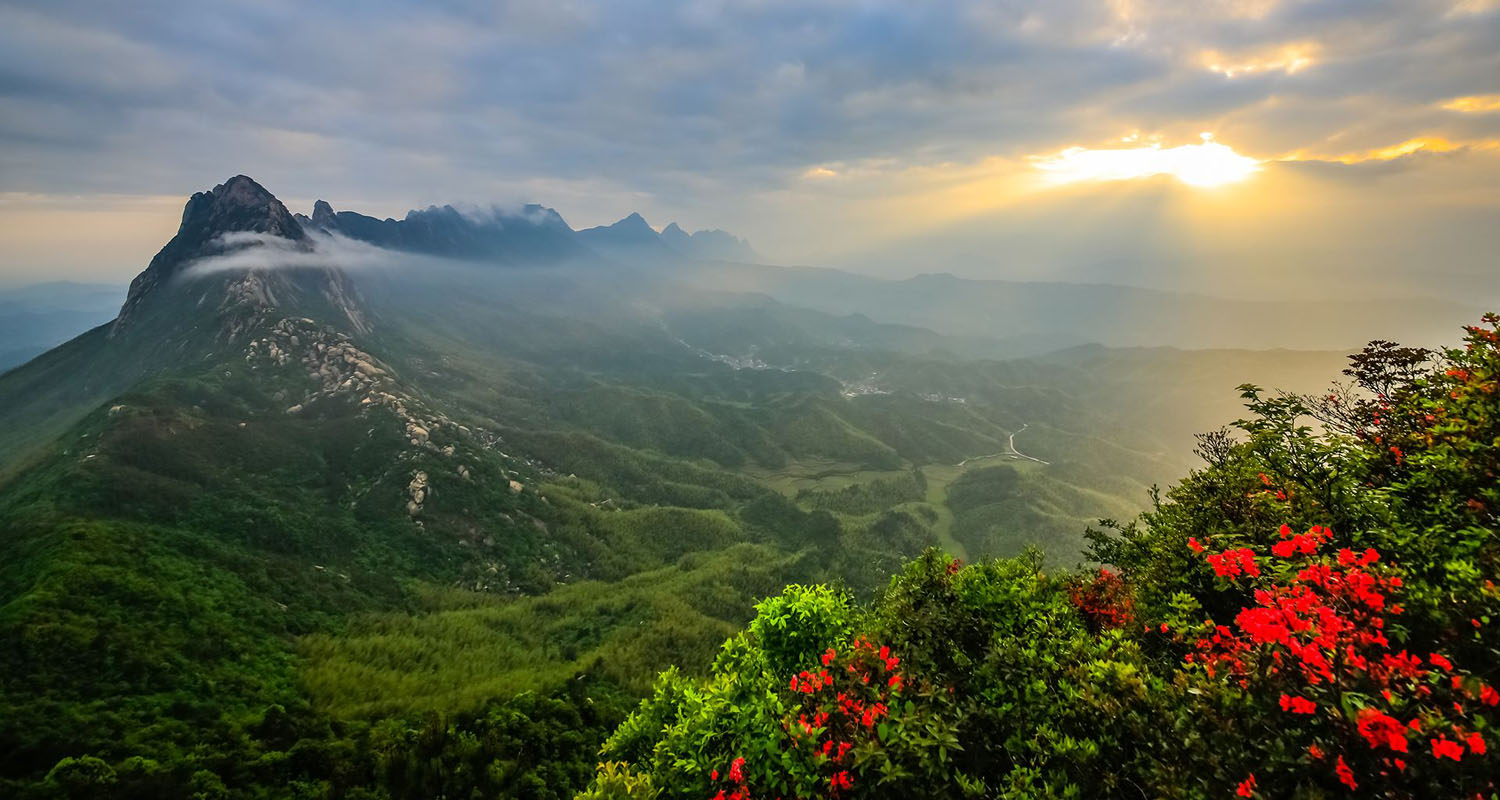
x: 1474, y: 104
x: 1418, y: 144
x: 1288, y: 58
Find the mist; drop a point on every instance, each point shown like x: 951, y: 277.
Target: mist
x: 262, y: 251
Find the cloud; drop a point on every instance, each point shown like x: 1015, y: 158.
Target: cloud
x: 246, y: 250
x: 1287, y: 58
x: 1401, y: 150
x: 1474, y: 104
x: 699, y: 110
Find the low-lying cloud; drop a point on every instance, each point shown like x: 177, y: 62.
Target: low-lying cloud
x: 246, y: 250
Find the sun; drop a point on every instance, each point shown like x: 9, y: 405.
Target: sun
x: 1203, y: 165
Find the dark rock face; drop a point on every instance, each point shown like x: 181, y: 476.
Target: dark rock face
x: 323, y: 216
x: 528, y: 234
x: 238, y: 205
x: 209, y: 220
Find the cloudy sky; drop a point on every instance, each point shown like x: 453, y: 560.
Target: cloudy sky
x: 1230, y: 146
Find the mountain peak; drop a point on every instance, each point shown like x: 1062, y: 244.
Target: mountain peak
x: 635, y: 221
x: 243, y: 190
x: 238, y: 205
x: 323, y: 216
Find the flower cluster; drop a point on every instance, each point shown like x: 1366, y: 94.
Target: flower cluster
x: 1105, y: 602
x: 1233, y: 563
x: 736, y: 777
x: 1317, y: 633
x: 1305, y: 543
x: 839, y: 706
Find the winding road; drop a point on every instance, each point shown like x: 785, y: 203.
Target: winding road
x: 1016, y: 452
x: 1011, y: 452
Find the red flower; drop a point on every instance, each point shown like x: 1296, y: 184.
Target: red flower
x: 1380, y: 728
x: 1346, y: 775
x: 1231, y: 563
x: 1297, y: 705
x: 1476, y: 743
x: 1193, y: 543
x: 1442, y: 747
x: 1488, y: 695
x: 1246, y: 787
x: 737, y: 770
x: 1315, y: 752
x: 1438, y: 661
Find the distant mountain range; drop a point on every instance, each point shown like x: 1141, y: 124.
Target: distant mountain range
x: 991, y: 318
x: 1015, y: 318
x: 529, y: 234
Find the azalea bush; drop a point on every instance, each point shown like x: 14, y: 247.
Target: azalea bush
x: 1344, y: 705
x: 797, y: 706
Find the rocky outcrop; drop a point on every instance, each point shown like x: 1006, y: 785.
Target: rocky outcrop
x: 417, y: 492
x: 334, y: 368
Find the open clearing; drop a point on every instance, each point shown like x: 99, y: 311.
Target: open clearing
x: 833, y: 475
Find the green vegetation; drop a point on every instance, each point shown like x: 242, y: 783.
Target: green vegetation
x: 1311, y: 614
x: 461, y: 649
